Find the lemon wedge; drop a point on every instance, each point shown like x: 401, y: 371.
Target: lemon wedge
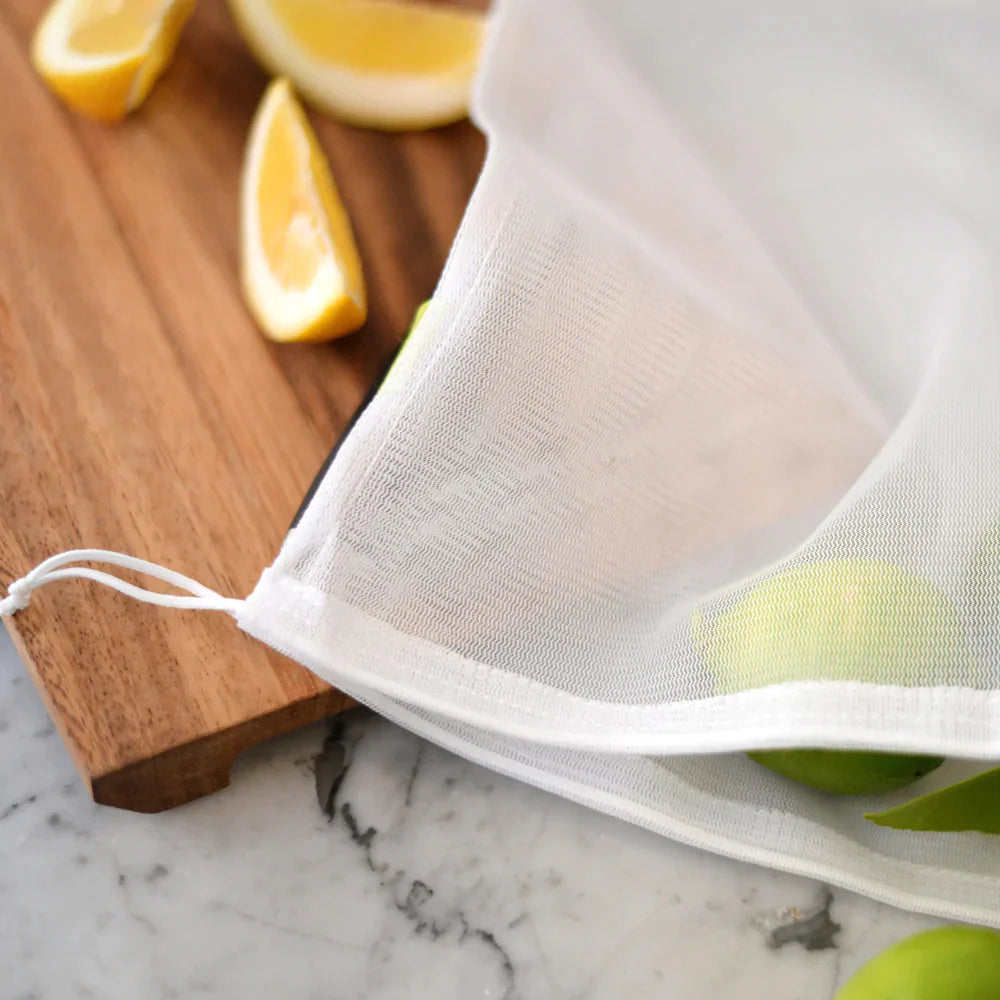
x: 102, y: 57
x: 380, y: 63
x: 300, y: 267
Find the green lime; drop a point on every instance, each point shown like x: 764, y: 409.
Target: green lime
x: 847, y: 772
x: 409, y: 349
x: 948, y: 963
x: 838, y: 619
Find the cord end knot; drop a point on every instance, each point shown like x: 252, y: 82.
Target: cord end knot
x: 18, y: 597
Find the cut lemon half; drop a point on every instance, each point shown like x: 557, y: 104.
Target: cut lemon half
x: 386, y: 64
x: 300, y: 267
x: 102, y: 57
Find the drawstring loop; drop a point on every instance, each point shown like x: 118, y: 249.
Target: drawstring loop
x: 59, y: 567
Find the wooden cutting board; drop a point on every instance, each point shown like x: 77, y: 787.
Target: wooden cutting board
x: 141, y: 411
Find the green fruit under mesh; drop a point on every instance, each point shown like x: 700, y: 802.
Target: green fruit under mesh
x: 842, y: 620
x: 847, y: 772
x: 838, y: 620
x: 409, y: 350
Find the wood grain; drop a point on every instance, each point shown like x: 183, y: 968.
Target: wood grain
x: 141, y: 411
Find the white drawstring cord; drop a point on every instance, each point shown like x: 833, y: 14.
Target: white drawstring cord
x: 59, y: 568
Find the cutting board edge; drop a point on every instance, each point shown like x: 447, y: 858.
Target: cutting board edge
x: 202, y: 766
x: 185, y: 771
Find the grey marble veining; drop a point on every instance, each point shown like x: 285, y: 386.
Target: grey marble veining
x: 356, y: 861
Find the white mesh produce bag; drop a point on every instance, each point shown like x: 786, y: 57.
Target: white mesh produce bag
x: 725, y: 300
x: 712, y: 374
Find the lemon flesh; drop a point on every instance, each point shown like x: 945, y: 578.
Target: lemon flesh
x: 300, y: 266
x: 380, y: 63
x: 102, y: 57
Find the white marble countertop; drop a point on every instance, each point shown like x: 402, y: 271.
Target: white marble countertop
x: 417, y: 876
